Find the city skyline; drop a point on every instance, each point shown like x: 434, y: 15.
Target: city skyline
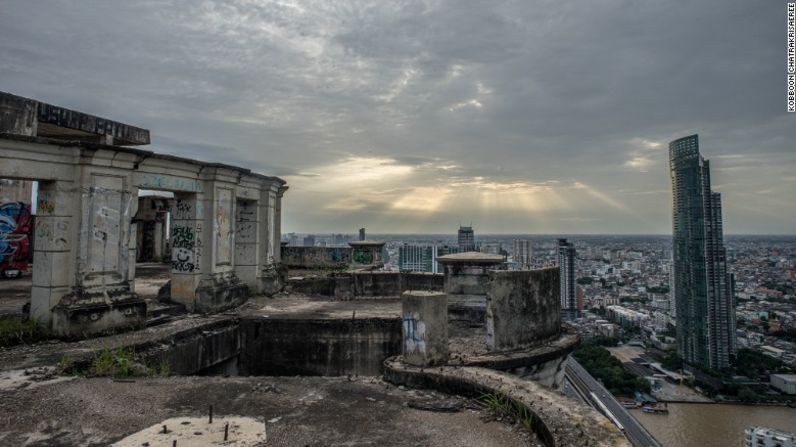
x: 412, y: 117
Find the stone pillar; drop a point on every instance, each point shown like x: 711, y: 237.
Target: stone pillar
x: 219, y: 287
x: 55, y: 248
x: 188, y: 248
x: 277, y: 228
x: 102, y: 298
x: 247, y: 241
x: 271, y: 277
x: 425, y: 328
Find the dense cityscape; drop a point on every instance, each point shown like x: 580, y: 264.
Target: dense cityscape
x: 620, y: 291
x: 279, y: 223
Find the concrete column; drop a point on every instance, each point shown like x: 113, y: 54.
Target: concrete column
x: 218, y: 286
x: 425, y: 328
x: 131, y: 208
x: 102, y: 297
x: 268, y: 253
x: 247, y: 241
x: 55, y: 248
x: 277, y: 228
x: 188, y: 248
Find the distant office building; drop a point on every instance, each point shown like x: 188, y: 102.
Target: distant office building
x: 466, y: 239
x: 768, y: 437
x: 309, y: 240
x: 361, y: 234
x: 416, y: 258
x: 423, y: 257
x: 292, y: 240
x: 522, y: 252
x: 566, y: 265
x: 340, y: 240
x: 702, y: 285
x: 494, y: 249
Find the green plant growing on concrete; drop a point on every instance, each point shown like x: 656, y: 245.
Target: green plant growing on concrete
x: 15, y: 331
x: 162, y: 369
x: 66, y: 365
x: 502, y: 405
x: 119, y: 363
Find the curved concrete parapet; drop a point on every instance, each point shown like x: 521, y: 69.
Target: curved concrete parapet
x: 558, y: 421
x: 543, y: 363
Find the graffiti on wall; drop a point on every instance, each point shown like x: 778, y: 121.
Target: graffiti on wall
x: 246, y: 222
x: 414, y: 333
x: 183, y: 241
x: 15, y: 228
x: 363, y: 256
x: 223, y: 226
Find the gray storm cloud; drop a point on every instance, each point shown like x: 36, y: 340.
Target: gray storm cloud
x: 413, y: 116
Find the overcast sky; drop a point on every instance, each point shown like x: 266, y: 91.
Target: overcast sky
x: 415, y: 116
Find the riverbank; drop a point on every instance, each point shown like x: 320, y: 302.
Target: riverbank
x: 713, y: 424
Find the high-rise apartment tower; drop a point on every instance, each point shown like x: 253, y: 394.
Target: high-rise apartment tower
x: 702, y: 285
x: 566, y: 265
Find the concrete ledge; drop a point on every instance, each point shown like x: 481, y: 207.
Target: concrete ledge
x: 557, y: 419
x: 520, y: 358
x: 79, y: 321
x: 220, y: 293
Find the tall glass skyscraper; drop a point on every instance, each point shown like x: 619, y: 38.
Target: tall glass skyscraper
x: 702, y: 286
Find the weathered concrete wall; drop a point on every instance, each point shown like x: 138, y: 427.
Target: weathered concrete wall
x: 15, y: 191
x: 285, y: 347
x: 523, y: 307
x: 352, y: 285
x: 17, y: 115
x: 316, y: 257
x: 466, y: 287
x: 423, y: 281
x: 425, y: 328
x: 194, y: 351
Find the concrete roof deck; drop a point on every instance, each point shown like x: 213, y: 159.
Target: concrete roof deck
x: 296, y: 411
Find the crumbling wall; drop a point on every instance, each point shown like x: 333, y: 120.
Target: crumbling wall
x: 523, y: 307
x: 422, y: 281
x: 316, y: 257
x: 315, y: 347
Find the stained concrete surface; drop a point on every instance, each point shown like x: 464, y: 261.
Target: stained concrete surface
x: 311, y: 411
x: 149, y: 278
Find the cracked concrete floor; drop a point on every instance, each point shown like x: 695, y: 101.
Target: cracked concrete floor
x: 297, y: 411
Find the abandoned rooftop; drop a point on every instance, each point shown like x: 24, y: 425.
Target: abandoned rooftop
x: 156, y: 306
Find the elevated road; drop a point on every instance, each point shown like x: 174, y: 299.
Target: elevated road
x: 594, y: 393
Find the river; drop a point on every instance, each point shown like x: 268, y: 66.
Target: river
x: 709, y: 425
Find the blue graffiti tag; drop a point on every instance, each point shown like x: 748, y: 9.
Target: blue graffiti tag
x: 9, y: 212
